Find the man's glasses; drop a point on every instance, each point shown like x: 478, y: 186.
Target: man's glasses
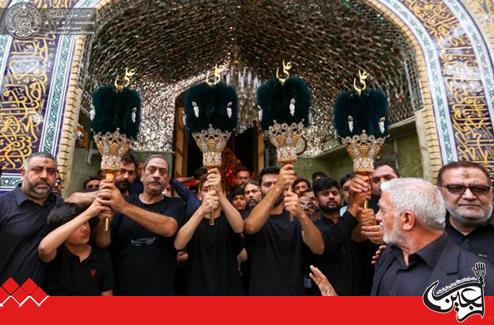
x: 475, y: 189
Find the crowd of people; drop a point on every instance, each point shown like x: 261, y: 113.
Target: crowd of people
x: 279, y: 234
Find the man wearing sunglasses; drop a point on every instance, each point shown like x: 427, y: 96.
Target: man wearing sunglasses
x: 467, y: 191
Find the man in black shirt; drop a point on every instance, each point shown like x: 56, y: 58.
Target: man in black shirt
x: 344, y: 259
x: 418, y: 252
x: 467, y: 191
x: 23, y: 214
x: 142, y: 233
x: 275, y: 244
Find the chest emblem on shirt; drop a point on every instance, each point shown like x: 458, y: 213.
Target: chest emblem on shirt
x: 93, y: 273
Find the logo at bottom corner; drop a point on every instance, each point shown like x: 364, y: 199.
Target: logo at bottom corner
x: 12, y: 292
x: 466, y: 296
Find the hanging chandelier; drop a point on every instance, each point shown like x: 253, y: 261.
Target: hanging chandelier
x: 245, y: 83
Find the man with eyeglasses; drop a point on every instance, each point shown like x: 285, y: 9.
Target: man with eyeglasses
x: 412, y: 215
x: 467, y: 191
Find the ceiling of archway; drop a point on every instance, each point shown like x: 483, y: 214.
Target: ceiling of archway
x: 173, y: 43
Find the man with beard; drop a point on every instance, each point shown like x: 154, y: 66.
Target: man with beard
x: 126, y: 176
x: 252, y: 192
x: 467, y: 191
x: 344, y: 259
x: 300, y: 186
x: 418, y: 252
x: 23, y: 214
x: 142, y: 233
x: 384, y: 171
x: 275, y: 244
x: 242, y: 176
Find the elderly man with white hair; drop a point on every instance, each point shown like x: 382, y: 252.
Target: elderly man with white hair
x: 412, y: 214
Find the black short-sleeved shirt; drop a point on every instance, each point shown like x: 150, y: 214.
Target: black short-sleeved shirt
x: 212, y: 265
x: 22, y: 227
x: 343, y: 259
x: 66, y: 275
x: 276, y: 257
x: 145, y: 262
x: 480, y: 241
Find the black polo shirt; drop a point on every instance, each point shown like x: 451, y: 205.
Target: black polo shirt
x: 410, y: 280
x: 67, y: 275
x: 145, y: 262
x: 22, y: 227
x: 480, y: 241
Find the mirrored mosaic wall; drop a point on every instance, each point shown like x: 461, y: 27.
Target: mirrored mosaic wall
x: 173, y: 43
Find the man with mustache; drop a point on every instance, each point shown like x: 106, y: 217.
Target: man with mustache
x: 418, y: 253
x: 275, y: 244
x: 126, y: 176
x: 252, y: 192
x: 344, y: 259
x: 23, y: 214
x: 467, y: 190
x: 142, y: 233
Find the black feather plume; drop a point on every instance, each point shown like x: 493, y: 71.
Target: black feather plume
x: 214, y: 105
x: 275, y: 100
x: 353, y: 114
x: 116, y: 110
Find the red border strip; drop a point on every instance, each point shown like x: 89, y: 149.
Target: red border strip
x: 234, y: 311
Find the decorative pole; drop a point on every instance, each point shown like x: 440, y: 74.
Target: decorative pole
x: 361, y: 124
x: 284, y: 104
x: 211, y: 115
x: 115, y: 118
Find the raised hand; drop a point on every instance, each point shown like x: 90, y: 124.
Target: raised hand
x: 359, y: 192
x: 110, y: 196
x: 292, y: 204
x: 214, y: 180
x: 322, y: 282
x: 374, y: 233
x: 367, y: 217
x: 96, y: 208
x: 210, y: 202
x: 286, y: 177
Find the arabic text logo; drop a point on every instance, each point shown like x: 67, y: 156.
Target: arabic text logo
x: 466, y: 296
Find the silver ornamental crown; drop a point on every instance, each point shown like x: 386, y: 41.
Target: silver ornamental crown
x: 363, y: 149
x: 285, y: 137
x: 112, y: 146
x: 211, y: 142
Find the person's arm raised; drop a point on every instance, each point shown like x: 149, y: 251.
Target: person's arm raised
x: 261, y: 212
x: 310, y: 234
x: 232, y: 214
x: 47, y: 249
x: 158, y: 223
x: 184, y: 235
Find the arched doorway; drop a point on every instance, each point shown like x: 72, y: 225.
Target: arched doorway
x: 328, y: 42
x: 450, y: 65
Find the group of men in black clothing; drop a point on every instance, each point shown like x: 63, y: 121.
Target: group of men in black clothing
x: 430, y: 232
